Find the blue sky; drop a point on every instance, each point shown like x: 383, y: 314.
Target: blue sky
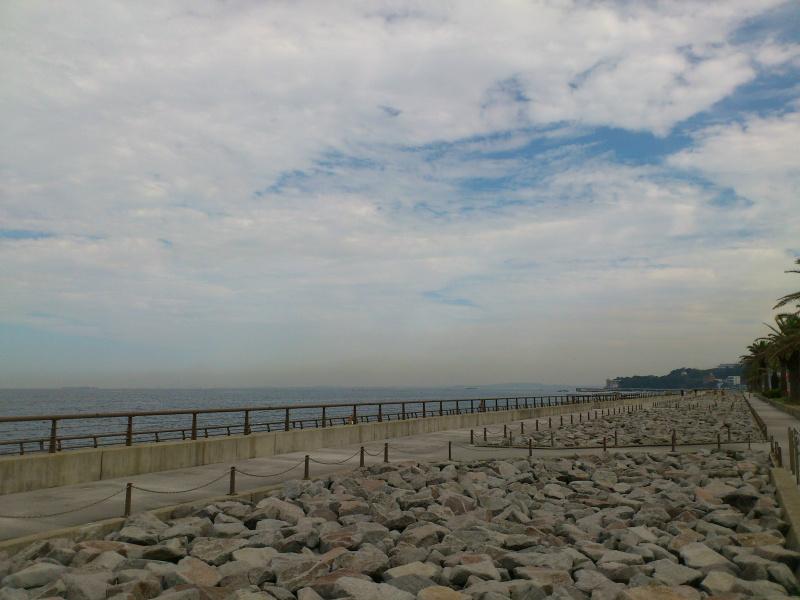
x: 246, y: 193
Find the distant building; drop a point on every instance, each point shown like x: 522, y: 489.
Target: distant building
x: 733, y: 381
x: 612, y: 384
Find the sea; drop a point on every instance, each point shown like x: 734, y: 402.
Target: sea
x: 89, y: 400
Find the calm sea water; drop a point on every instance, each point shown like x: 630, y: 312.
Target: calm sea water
x: 31, y: 402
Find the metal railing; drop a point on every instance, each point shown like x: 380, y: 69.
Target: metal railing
x: 93, y: 430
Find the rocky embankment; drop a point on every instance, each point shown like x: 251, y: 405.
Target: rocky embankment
x: 623, y: 526
x: 694, y: 421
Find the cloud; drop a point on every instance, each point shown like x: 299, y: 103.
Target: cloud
x: 287, y: 192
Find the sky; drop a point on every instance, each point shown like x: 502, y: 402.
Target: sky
x: 242, y: 193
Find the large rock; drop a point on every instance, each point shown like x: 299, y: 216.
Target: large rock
x: 36, y: 575
x: 699, y: 556
x: 358, y: 589
x: 194, y: 571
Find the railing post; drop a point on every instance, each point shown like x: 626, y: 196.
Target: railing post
x: 386, y: 452
x: 403, y: 409
x: 247, y: 422
x: 194, y: 426
x: 355, y: 414
x: 449, y: 450
x: 380, y: 412
x: 471, y: 436
x: 129, y: 432
x: 323, y: 416
x: 424, y: 412
x: 53, y: 426
x: 232, y: 482
x: 361, y: 457
x: 306, y: 465
x: 505, y: 430
x: 441, y: 408
x: 286, y: 421
x: 128, y: 494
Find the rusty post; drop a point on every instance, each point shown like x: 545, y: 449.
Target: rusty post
x: 570, y: 419
x: 441, y: 408
x: 550, y: 422
x: 472, y: 436
x: 562, y: 420
x: 424, y: 415
x: 522, y: 427
x: 232, y: 482
x: 386, y: 452
x: 128, y: 494
x: 286, y: 421
x: 505, y: 430
x: 306, y: 467
x: 530, y: 447
x: 537, y: 424
x: 323, y: 416
x: 361, y: 457
x: 380, y: 412
x: 484, y: 434
x: 247, y: 422
x: 194, y: 426
x: 129, y: 432
x: 53, y: 426
x: 449, y: 450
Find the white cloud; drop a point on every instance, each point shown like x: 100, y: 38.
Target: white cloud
x: 150, y: 140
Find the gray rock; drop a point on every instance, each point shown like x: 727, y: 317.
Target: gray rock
x: 36, y: 575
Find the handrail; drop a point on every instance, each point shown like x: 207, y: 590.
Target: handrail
x: 190, y: 411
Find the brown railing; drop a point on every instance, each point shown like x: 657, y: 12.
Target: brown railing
x: 261, y: 419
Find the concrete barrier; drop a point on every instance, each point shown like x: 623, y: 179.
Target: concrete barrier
x: 39, y: 471
x: 789, y: 499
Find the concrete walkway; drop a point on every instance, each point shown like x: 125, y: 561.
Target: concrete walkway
x: 777, y: 421
x: 426, y: 447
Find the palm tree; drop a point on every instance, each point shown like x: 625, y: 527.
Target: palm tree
x: 784, y: 346
x: 755, y: 364
x: 789, y: 298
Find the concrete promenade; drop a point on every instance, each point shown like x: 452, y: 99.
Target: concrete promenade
x: 424, y: 447
x: 777, y: 421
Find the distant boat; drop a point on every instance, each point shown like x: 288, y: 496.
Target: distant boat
x: 563, y: 391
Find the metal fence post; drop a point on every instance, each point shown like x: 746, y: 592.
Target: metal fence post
x: 53, y: 426
x: 129, y: 431
x: 128, y: 494
x: 386, y: 452
x: 232, y: 482
x: 361, y: 457
x: 306, y: 467
x: 449, y: 450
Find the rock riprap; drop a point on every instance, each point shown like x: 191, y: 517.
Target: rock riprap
x: 621, y: 526
x: 695, y: 421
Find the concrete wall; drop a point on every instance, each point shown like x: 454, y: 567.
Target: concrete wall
x: 38, y: 471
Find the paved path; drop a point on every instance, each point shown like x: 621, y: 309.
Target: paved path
x: 777, y: 422
x: 425, y: 447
